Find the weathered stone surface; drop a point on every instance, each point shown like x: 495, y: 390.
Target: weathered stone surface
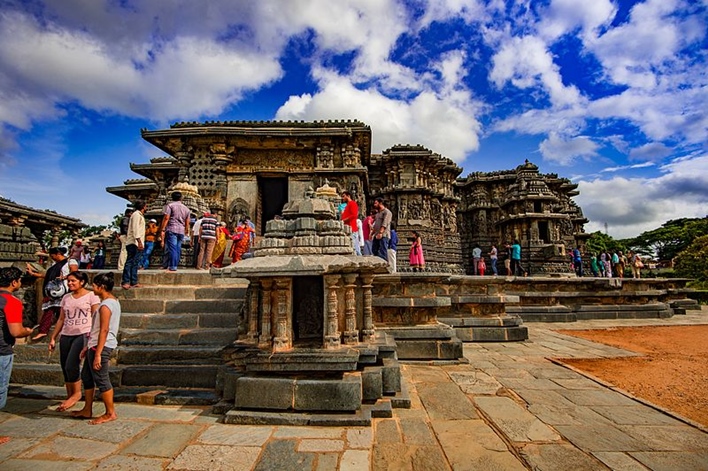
x: 354, y: 460
x: 114, y: 432
x: 162, y: 440
x: 672, y: 461
x: 131, y: 463
x: 359, y: 438
x: 634, y: 415
x: 47, y: 465
x: 416, y: 432
x: 484, y: 451
x: 445, y: 401
x: 281, y: 454
x: 476, y: 382
x: 559, y: 457
x: 264, y: 393
x: 320, y: 445
x: 328, y: 395
x: 245, y: 435
x: 216, y: 457
x: 372, y: 384
x: 591, y: 438
x: 310, y: 432
x: 617, y: 461
x: 66, y: 448
x: 515, y: 421
x: 668, y: 437
x: 32, y: 427
x: 596, y: 398
x: 386, y: 431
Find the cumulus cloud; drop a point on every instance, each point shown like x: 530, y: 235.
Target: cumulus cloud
x: 445, y: 120
x: 564, y: 150
x: 564, y: 16
x: 631, y: 206
x: 653, y: 151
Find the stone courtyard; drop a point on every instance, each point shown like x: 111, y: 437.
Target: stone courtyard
x: 509, y: 408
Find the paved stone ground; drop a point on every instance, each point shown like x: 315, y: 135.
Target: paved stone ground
x: 510, y: 408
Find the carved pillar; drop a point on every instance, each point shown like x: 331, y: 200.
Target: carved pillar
x: 367, y: 333
x: 332, y: 339
x: 252, y: 335
x: 185, y: 161
x: 283, y: 338
x: 351, y: 334
x: 265, y: 338
x: 55, y: 236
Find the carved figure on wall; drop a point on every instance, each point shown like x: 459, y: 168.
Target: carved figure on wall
x: 415, y: 210
x: 425, y: 212
x: 436, y: 213
x: 566, y: 228
x: 325, y: 157
x: 239, y: 208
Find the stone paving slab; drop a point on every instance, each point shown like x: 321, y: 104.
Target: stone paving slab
x: 117, y: 431
x: 518, y: 424
x: 673, y: 461
x: 559, y: 457
x: 445, y: 401
x: 66, y: 448
x: 43, y: 465
x: 244, y: 435
x: 163, y: 440
x: 215, y: 458
x: 618, y: 461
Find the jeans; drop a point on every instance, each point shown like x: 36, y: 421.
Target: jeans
x: 149, y: 247
x: 494, y: 266
x: 130, y: 271
x: 578, y: 267
x: 379, y: 247
x: 355, y: 243
x: 475, y: 263
x: 367, y: 247
x: 173, y: 248
x: 5, y: 370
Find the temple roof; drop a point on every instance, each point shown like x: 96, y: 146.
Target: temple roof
x: 37, y: 220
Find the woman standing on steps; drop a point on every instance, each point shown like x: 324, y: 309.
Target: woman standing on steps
x: 101, y: 343
x: 73, y: 326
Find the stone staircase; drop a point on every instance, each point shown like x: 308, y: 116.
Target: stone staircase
x: 173, y: 331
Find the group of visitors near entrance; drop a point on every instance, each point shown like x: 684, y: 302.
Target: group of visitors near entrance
x: 610, y: 264
x: 375, y: 234
x: 86, y: 331
x: 511, y: 256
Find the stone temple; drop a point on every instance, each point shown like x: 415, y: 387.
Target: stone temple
x: 255, y: 167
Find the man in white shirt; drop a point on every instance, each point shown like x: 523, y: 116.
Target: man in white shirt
x: 476, y: 255
x: 134, y: 245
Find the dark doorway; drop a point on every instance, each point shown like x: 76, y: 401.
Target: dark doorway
x: 272, y: 196
x: 543, y: 231
x: 308, y: 311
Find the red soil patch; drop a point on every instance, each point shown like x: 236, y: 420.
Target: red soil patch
x: 672, y: 371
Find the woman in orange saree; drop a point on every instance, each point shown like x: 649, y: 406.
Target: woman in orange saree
x: 222, y: 234
x: 242, y: 241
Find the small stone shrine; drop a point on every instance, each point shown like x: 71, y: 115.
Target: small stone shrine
x: 309, y: 353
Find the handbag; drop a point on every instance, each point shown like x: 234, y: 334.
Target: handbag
x: 55, y: 289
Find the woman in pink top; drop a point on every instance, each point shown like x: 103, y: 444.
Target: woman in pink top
x: 73, y: 326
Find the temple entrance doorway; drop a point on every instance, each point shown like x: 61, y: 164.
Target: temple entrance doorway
x: 272, y: 196
x: 543, y: 232
x: 308, y: 311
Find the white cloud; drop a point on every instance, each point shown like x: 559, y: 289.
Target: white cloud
x: 525, y: 62
x: 563, y: 16
x: 628, y: 167
x: 564, y: 151
x: 444, y: 123
x: 631, y: 206
x: 654, y: 151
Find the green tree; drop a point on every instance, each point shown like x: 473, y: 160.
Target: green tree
x: 667, y: 241
x: 601, y: 242
x: 691, y: 263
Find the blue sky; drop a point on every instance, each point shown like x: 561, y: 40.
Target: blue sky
x: 612, y: 94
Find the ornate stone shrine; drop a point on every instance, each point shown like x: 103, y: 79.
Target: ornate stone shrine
x: 310, y: 344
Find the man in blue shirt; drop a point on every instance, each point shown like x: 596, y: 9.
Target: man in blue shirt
x: 516, y: 259
x: 392, y: 245
x: 578, y: 262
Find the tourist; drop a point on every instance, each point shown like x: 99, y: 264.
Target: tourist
x: 76, y: 250
x: 252, y: 234
x: 360, y: 235
x: 637, y: 266
x: 350, y: 216
x: 51, y: 301
x: 416, y: 259
x: 175, y: 226
x: 102, y: 340
x: 99, y: 256
x: 151, y: 236
x: 242, y: 241
x: 578, y: 262
x: 367, y: 230
x: 607, y: 262
x: 621, y: 264
x: 196, y: 226
x: 11, y: 327
x: 615, y: 263
x: 85, y: 258
x: 222, y: 236
x: 493, y: 257
x: 507, y: 259
x: 476, y: 255
x: 594, y: 265
x: 123, y: 232
x: 134, y: 245
x: 207, y: 240
x: 73, y: 327
x: 515, y: 256
x: 381, y: 231
x: 392, y: 248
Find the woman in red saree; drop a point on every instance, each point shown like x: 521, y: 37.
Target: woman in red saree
x: 242, y: 241
x: 222, y: 234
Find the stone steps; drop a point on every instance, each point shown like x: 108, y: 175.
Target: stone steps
x: 143, y: 395
x: 173, y: 331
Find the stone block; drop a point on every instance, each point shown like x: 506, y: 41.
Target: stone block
x: 372, y: 384
x: 176, y: 376
x: 328, y: 394
x: 264, y: 393
x: 391, y: 376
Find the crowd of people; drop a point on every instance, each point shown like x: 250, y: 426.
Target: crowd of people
x: 86, y: 331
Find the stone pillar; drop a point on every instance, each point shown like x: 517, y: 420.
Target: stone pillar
x: 351, y: 334
x: 185, y: 160
x: 252, y: 335
x: 367, y: 332
x: 265, y: 338
x: 332, y: 339
x: 283, y: 338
